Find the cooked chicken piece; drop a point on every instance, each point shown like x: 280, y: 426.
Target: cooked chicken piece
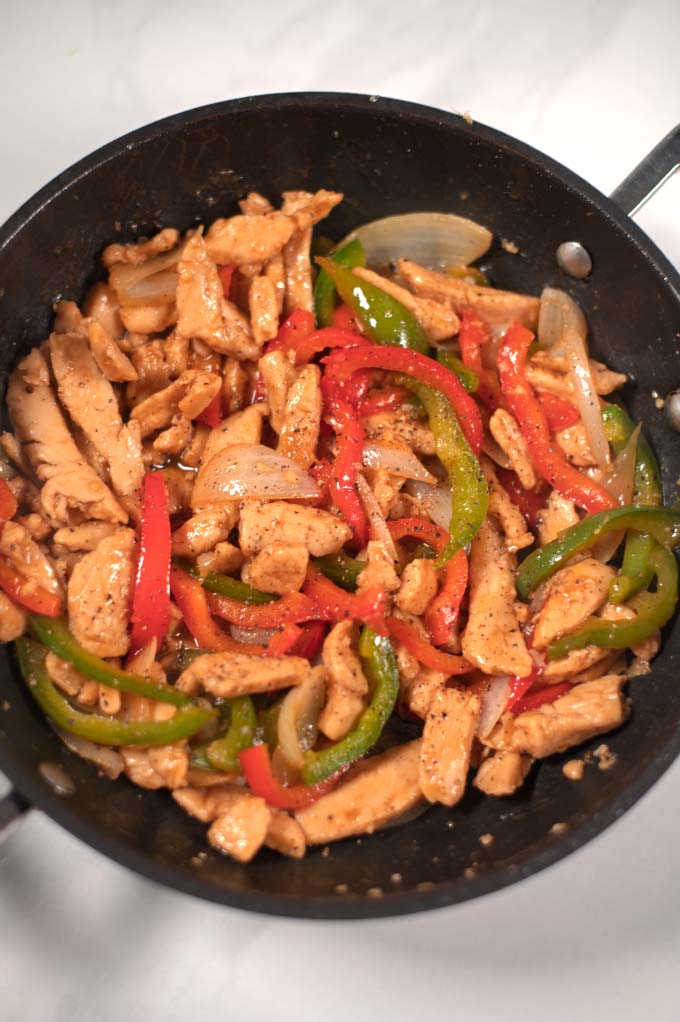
x: 70, y: 681
x: 375, y: 791
x: 572, y: 595
x: 153, y: 371
x: 38, y: 527
x: 195, y: 449
x: 605, y: 379
x: 511, y: 519
x: 177, y: 351
x: 502, y: 773
x: 241, y: 240
x: 498, y: 308
x: 278, y: 375
x: 100, y: 594
x: 254, y: 203
x: 68, y: 319
x: 296, y: 258
x: 110, y: 701
x: 111, y: 361
x: 91, y: 402
x: 101, y: 307
x: 240, y: 821
x: 171, y: 762
x: 204, y: 530
x: 19, y: 548
x: 379, y: 570
x: 240, y: 428
x: 13, y: 619
x: 421, y: 690
x: 418, y: 586
x: 225, y: 557
x: 492, y: 639
x: 549, y: 381
x: 587, y: 710
x: 645, y: 650
x: 277, y: 569
x: 285, y: 835
x: 236, y: 385
x: 275, y: 271
x: 572, y: 666
x: 15, y: 453
x: 148, y: 319
x: 299, y: 430
x: 190, y: 394
x: 402, y: 425
x: 138, y: 767
x: 437, y: 319
x: 448, y: 734
x: 135, y: 255
x: 575, y: 444
x: 225, y: 675
x: 508, y: 436
x: 198, y: 778
x: 320, y: 531
x: 72, y: 490
x: 179, y: 485
x: 386, y: 488
x: 346, y: 685
x: 264, y: 310
x: 559, y: 513
x: 176, y: 437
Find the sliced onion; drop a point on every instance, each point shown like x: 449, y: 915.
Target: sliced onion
x: 252, y: 635
x: 108, y: 760
x: 436, y: 240
x: 620, y: 481
x: 435, y: 499
x: 298, y: 717
x: 251, y: 470
x: 378, y: 525
x: 562, y: 325
x: 398, y: 459
x: 151, y: 283
x: 494, y: 694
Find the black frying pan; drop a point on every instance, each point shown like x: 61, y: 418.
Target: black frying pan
x: 387, y: 157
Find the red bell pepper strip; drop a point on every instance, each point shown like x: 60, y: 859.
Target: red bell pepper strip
x: 282, y: 642
x: 520, y: 686
x: 225, y: 274
x: 341, y: 365
x: 560, y: 413
x: 25, y: 592
x: 212, y: 414
x: 300, y: 324
x: 310, y: 641
x: 192, y: 600
x: 474, y: 333
x: 290, y: 609
x: 420, y: 529
x: 257, y: 770
x: 151, y: 599
x: 336, y: 604
x: 384, y: 399
x: 441, y: 616
x: 541, y: 697
x: 328, y: 337
x: 8, y: 503
x: 348, y: 458
x: 344, y: 319
x: 424, y: 652
x: 530, y: 502
x: 546, y: 456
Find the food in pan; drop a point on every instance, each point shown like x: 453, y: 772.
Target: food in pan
x: 316, y: 540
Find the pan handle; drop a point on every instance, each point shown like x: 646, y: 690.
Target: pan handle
x: 12, y: 807
x: 650, y: 174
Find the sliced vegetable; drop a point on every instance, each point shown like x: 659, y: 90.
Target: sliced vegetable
x: 400, y: 461
x: 300, y: 324
x: 468, y: 377
x: 212, y: 415
x: 380, y: 667
x: 442, y: 614
x: 217, y: 582
x: 252, y: 471
x: 151, y: 283
x: 662, y: 524
x: 54, y: 633
x: 341, y: 569
x: 420, y: 529
x: 225, y: 274
x: 8, y: 503
x: 530, y: 502
x: 223, y: 752
x: 151, y: 599
x: 347, y: 461
x: 298, y: 716
x: 349, y: 255
x: 541, y: 697
x: 559, y: 413
x: 546, y: 456
x: 257, y: 770
x: 104, y: 730
x: 436, y: 240
x: 424, y: 652
x: 473, y: 336
x: 27, y: 593
x: 436, y: 500
x: 335, y: 604
x: 289, y: 609
x: 192, y: 601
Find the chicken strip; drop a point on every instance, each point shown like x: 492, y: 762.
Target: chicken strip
x: 502, y: 773
x: 100, y: 595
x: 438, y: 319
x: 346, y: 684
x: 277, y: 569
x: 448, y: 734
x: 292, y: 524
x: 572, y: 595
x: 301, y: 421
x: 225, y: 675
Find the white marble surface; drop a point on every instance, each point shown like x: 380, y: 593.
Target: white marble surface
x: 595, y: 84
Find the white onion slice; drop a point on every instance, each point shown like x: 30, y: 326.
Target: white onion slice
x: 251, y: 635
x: 620, y: 481
x: 436, y: 240
x: 562, y: 325
x: 108, y: 760
x: 151, y: 283
x: 378, y: 525
x: 298, y: 716
x: 493, y: 693
x: 251, y: 470
x: 399, y: 460
x: 435, y: 499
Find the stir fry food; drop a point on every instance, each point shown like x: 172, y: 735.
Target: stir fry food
x: 314, y: 536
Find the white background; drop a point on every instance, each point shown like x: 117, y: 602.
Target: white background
x: 594, y: 83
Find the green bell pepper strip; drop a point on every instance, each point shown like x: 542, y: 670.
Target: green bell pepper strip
x: 103, y: 730
x: 469, y: 492
x: 216, y: 582
x: 636, y: 571
x: 652, y: 611
x: 468, y: 377
x: 53, y: 632
x: 381, y: 669
x: 659, y: 522
x: 350, y: 255
x: 222, y: 753
x: 383, y: 318
x: 341, y: 569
